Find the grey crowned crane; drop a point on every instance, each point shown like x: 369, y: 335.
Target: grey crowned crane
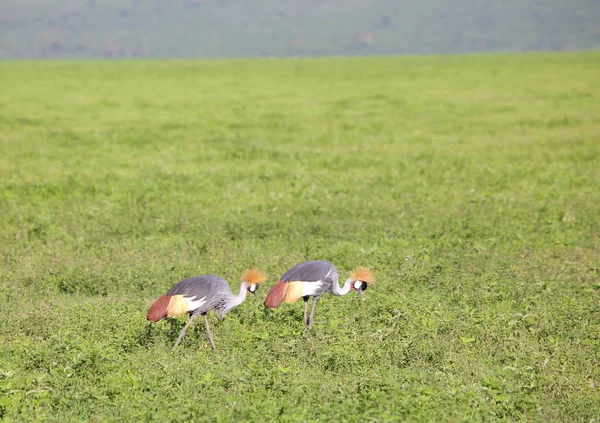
x: 313, y: 279
x: 201, y: 294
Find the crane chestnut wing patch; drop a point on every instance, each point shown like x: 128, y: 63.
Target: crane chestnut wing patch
x: 178, y: 306
x: 173, y: 306
x: 290, y: 292
x: 158, y: 310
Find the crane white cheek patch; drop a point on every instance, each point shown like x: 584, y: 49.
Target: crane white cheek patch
x: 252, y: 287
x: 357, y: 284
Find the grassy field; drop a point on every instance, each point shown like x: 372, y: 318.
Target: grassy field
x: 470, y: 185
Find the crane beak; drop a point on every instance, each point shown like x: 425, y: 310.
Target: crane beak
x: 253, y: 288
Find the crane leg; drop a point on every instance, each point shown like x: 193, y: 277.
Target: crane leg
x: 312, y: 312
x: 182, y: 334
x: 208, y: 333
x: 305, y: 309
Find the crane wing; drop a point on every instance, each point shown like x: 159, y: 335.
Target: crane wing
x: 304, y: 279
x: 309, y: 271
x: 199, y: 286
x: 200, y: 293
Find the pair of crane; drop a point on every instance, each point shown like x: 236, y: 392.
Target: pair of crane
x: 200, y: 294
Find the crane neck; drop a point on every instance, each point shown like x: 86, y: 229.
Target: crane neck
x: 336, y: 290
x: 239, y: 298
x: 235, y: 300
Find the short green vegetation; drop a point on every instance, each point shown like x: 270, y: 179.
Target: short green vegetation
x: 470, y: 185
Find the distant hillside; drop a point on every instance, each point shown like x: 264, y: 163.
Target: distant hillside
x: 191, y: 28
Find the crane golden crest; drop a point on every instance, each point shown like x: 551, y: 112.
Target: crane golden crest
x: 363, y: 274
x: 255, y: 276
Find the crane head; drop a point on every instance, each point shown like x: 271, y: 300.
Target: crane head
x: 361, y: 277
x: 253, y: 278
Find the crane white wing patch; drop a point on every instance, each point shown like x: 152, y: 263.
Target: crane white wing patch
x: 311, y: 288
x: 193, y: 304
x: 179, y: 305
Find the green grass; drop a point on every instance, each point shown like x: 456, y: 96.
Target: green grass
x: 470, y: 185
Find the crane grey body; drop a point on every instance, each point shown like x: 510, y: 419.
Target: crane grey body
x: 213, y: 289
x: 309, y: 279
x: 199, y: 295
x: 217, y: 296
x: 322, y: 274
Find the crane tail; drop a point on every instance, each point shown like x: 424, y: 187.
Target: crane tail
x: 159, y: 309
x: 288, y: 292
